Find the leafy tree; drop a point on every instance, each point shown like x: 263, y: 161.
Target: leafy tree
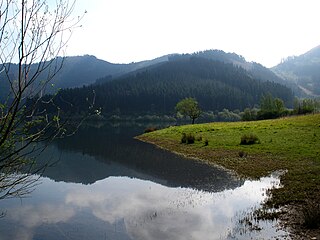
x: 228, y: 116
x: 249, y: 114
x: 305, y: 106
x: 270, y: 107
x: 267, y: 103
x: 189, y: 107
x: 32, y: 34
x: 279, y: 105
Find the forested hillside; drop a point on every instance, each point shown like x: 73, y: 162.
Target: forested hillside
x: 156, y: 90
x: 302, y: 72
x: 81, y: 71
x: 256, y: 70
x: 75, y: 72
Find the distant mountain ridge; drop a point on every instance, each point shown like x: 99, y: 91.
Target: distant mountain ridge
x: 85, y: 70
x: 157, y: 88
x: 256, y: 70
x: 302, y: 73
x: 78, y: 71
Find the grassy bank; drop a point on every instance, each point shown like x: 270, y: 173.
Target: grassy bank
x: 291, y: 144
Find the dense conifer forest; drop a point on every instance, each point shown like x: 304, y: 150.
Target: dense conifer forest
x: 157, y: 89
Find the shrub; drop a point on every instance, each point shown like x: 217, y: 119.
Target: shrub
x: 184, y: 138
x: 150, y: 129
x: 249, y: 114
x: 228, y: 116
x: 248, y: 139
x: 190, y: 138
x: 187, y: 138
x: 199, y: 138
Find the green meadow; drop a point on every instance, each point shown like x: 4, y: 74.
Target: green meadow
x: 291, y: 144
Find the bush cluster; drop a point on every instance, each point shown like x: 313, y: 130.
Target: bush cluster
x: 187, y: 138
x: 248, y: 139
x: 150, y: 129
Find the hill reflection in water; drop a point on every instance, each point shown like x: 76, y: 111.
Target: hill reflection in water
x: 95, y: 153
x: 106, y: 185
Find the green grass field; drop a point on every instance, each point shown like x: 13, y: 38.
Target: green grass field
x: 291, y: 144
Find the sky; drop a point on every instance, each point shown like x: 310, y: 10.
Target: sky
x: 263, y: 31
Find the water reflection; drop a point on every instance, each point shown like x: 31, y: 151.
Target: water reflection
x: 106, y: 185
x: 126, y: 208
x: 96, y: 153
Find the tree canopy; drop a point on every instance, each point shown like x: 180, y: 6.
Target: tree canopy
x: 189, y: 107
x: 271, y: 107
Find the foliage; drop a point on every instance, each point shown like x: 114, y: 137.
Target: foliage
x: 208, y: 116
x: 228, y: 116
x: 305, y: 106
x: 150, y: 129
x: 249, y: 139
x: 189, y: 107
x: 270, y: 107
x: 274, y: 108
x: 184, y: 138
x: 249, y: 114
x: 188, y: 138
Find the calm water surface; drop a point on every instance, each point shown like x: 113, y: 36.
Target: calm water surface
x: 106, y: 185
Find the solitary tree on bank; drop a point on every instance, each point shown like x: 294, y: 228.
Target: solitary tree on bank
x: 33, y: 34
x: 189, y: 107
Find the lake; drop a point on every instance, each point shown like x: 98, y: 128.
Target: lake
x: 104, y: 184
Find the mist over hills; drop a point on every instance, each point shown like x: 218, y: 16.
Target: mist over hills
x: 302, y: 73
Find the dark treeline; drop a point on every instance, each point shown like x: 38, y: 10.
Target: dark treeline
x: 156, y: 90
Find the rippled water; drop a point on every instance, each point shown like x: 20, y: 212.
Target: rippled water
x: 107, y: 185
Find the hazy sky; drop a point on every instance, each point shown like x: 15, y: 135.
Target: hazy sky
x: 264, y: 31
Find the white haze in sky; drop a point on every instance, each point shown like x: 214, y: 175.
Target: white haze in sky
x: 264, y: 31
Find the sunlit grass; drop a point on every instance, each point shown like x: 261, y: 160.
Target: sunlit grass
x: 291, y: 144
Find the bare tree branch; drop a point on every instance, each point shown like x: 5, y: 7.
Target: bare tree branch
x: 33, y: 34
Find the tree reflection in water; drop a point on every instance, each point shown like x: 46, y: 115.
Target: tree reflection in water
x: 106, y: 185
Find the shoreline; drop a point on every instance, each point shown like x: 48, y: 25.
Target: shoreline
x: 259, y: 161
